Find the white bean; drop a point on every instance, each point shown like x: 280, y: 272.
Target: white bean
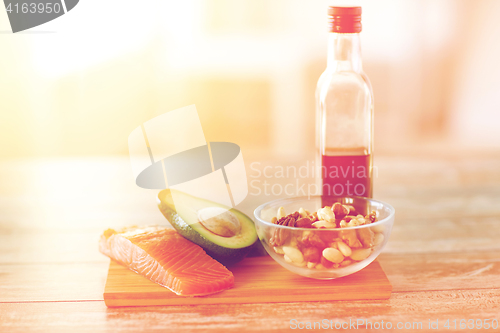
x: 300, y: 264
x: 378, y: 228
x: 325, y: 224
x: 378, y: 239
x: 281, y: 213
x: 360, y: 254
x: 327, y: 214
x: 346, y: 262
x: 294, y: 254
x: 344, y: 248
x: 333, y: 255
x: 278, y: 250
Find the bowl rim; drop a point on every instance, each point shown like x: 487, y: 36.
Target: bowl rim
x: 380, y: 222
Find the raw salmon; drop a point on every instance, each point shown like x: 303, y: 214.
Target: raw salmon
x: 167, y: 258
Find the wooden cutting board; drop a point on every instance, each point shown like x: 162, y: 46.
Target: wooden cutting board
x: 257, y: 280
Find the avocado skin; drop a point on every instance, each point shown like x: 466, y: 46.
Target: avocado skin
x: 225, y: 256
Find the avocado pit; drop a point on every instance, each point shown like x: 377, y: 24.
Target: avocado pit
x: 219, y: 221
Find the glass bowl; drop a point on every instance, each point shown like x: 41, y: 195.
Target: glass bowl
x: 302, y: 250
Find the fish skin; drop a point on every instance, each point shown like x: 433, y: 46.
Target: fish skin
x: 165, y: 257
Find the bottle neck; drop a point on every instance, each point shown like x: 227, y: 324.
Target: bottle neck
x: 344, y: 52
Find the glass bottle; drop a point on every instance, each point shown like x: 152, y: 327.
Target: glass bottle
x: 344, y: 111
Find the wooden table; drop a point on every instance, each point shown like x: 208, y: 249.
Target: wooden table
x: 443, y: 257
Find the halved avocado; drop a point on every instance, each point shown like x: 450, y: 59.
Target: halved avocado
x: 184, y: 216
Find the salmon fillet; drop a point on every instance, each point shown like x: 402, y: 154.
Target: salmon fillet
x: 167, y: 258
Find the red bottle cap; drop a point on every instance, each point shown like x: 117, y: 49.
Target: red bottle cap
x: 344, y: 19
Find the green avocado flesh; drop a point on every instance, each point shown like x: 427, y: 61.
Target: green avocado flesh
x: 183, y: 216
